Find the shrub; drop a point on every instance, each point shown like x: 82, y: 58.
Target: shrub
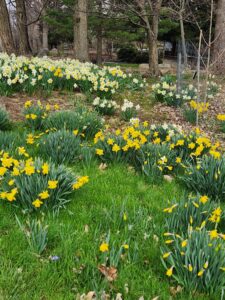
x: 61, y: 147
x: 196, y: 261
x: 4, y: 119
x: 34, y: 184
x: 127, y: 54
x: 104, y: 106
x: 86, y: 122
x: 129, y: 110
x: 207, y: 178
x: 131, y: 55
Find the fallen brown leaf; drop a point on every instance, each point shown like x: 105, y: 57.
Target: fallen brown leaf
x: 109, y: 272
x: 175, y: 290
x: 102, y: 166
x: 86, y: 228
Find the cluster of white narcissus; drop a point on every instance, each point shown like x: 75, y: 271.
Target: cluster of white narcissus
x: 188, y: 93
x: 104, y: 103
x: 164, y: 88
x: 129, y: 105
x: 45, y: 70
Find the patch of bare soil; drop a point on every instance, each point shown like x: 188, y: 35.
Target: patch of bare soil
x: 14, y: 104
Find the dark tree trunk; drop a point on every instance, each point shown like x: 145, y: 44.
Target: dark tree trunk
x: 21, y: 16
x: 5, y: 29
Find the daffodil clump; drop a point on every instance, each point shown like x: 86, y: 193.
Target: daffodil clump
x: 221, y: 121
x: 10, y: 140
x: 194, y: 251
x: 208, y: 176
x: 33, y: 183
x: 61, y: 146
x: 34, y: 74
x: 200, y: 107
x: 153, y: 149
x: 81, y: 121
x: 36, y: 113
x: 166, y: 91
x: 213, y: 88
x: 105, y: 106
x: 129, y: 110
x: 193, y: 109
x: 4, y: 119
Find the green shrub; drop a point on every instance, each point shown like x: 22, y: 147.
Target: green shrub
x: 208, y: 178
x: 4, y: 119
x: 86, y: 122
x: 30, y: 187
x: 61, y: 147
x: 127, y: 54
x: 196, y: 261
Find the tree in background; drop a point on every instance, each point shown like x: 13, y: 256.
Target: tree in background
x: 144, y: 14
x: 81, y: 30
x: 219, y: 39
x: 21, y: 18
x: 5, y: 29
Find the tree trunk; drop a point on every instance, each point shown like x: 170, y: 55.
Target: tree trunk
x: 184, y: 50
x: 219, y: 45
x: 152, y: 29
x: 21, y: 16
x: 34, y: 33
x: 81, y: 31
x: 5, y: 29
x: 99, y: 35
x: 99, y: 47
x: 153, y: 50
x: 45, y: 36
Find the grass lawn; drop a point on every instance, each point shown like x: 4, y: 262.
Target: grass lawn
x: 108, y: 239
x: 95, y: 212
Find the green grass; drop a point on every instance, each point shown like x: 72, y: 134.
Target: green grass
x: 99, y: 207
